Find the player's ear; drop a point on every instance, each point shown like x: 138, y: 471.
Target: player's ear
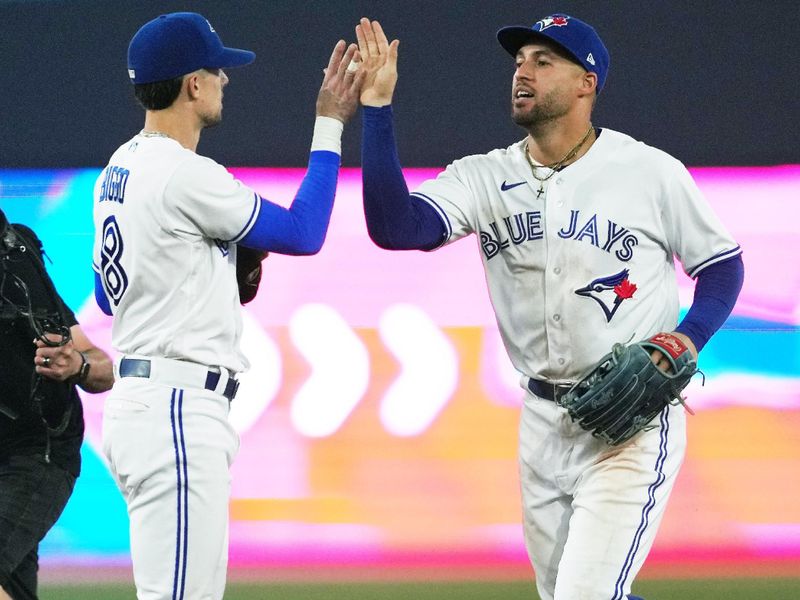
x: 192, y: 84
x: 588, y: 83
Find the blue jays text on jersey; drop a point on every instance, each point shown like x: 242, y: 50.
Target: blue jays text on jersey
x: 527, y: 226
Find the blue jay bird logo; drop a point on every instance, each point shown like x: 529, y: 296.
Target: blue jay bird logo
x: 609, y: 292
x: 554, y: 21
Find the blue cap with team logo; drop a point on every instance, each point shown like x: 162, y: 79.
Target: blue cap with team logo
x: 579, y: 39
x: 176, y: 44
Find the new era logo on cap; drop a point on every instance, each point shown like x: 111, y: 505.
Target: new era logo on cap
x: 590, y: 59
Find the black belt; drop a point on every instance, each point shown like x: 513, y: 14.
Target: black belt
x: 138, y: 367
x: 547, y: 391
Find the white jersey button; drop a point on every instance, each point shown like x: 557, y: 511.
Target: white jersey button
x: 561, y: 361
x: 556, y: 318
x: 557, y: 270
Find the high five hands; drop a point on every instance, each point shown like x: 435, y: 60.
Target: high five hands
x: 378, y: 62
x: 338, y: 97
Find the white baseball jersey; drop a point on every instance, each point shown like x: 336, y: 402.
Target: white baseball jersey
x: 589, y: 262
x: 166, y: 225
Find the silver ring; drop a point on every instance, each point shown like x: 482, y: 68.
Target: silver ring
x: 46, y: 361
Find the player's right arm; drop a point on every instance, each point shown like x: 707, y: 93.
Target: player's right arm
x: 301, y: 229
x: 395, y: 219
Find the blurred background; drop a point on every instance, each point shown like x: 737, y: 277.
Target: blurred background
x: 378, y: 422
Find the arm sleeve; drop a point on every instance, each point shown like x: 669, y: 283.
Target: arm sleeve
x: 300, y: 229
x: 395, y: 219
x: 715, y: 294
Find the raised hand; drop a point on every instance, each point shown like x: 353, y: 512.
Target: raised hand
x: 379, y: 63
x: 339, y: 94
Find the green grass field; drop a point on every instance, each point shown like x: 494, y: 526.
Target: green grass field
x: 710, y: 589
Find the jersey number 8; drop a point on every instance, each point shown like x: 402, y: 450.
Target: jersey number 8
x: 114, y: 277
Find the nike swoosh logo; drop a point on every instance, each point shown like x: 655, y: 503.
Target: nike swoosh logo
x: 510, y: 186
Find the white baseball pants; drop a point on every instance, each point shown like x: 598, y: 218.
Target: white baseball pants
x: 591, y: 511
x: 170, y: 450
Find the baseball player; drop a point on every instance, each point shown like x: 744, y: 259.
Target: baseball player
x: 169, y: 224
x: 577, y: 227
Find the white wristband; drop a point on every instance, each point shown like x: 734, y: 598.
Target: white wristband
x: 327, y: 135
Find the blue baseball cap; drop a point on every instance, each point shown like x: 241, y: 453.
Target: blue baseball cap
x: 577, y: 38
x: 176, y: 44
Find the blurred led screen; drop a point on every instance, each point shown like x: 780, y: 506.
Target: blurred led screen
x: 378, y: 422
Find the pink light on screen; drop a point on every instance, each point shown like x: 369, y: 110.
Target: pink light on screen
x: 761, y: 208
x: 759, y: 205
x: 354, y: 276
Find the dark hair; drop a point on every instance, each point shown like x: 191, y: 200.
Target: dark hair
x: 158, y: 95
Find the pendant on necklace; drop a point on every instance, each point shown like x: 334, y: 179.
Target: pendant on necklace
x: 540, y: 191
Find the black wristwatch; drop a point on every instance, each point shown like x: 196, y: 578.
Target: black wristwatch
x: 83, y: 372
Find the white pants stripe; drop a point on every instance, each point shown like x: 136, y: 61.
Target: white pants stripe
x: 182, y: 511
x: 170, y: 448
x: 591, y: 511
x: 651, y: 501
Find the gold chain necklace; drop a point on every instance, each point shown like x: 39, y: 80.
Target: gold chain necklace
x: 554, y: 167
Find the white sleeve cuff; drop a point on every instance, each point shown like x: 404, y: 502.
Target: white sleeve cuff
x: 327, y: 135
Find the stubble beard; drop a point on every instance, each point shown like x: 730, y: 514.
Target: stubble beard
x: 211, y: 120
x: 546, y: 110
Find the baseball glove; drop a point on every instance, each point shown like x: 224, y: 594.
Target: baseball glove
x: 625, y: 391
x: 248, y: 272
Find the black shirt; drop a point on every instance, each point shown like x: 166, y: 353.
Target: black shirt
x: 60, y: 404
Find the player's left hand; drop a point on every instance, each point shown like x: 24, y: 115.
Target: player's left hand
x: 663, y: 363
x: 379, y: 62
x: 56, y: 362
x: 625, y: 391
x: 341, y: 86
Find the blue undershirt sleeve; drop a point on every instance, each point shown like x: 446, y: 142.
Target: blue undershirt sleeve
x: 715, y: 294
x: 301, y: 228
x: 100, y: 295
x: 395, y: 219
